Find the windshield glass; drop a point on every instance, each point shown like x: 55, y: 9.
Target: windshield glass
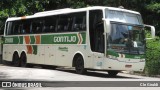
x: 125, y: 38
x: 124, y: 17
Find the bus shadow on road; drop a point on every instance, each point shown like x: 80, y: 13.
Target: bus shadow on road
x: 101, y: 74
x: 3, y: 75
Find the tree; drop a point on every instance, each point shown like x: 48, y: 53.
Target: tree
x: 17, y: 8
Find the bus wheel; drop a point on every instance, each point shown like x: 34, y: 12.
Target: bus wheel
x: 79, y: 65
x: 113, y: 73
x: 23, y: 60
x: 16, y: 60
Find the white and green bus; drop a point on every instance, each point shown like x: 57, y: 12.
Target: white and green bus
x: 92, y: 38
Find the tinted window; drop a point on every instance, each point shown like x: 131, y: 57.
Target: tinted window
x: 14, y: 27
x: 63, y: 23
x: 26, y: 29
x: 37, y: 25
x: 79, y: 21
x: 48, y: 24
x: 72, y: 22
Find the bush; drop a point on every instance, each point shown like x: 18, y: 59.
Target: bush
x: 153, y: 57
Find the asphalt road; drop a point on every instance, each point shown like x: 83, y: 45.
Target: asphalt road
x: 66, y: 78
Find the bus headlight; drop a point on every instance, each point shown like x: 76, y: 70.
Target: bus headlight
x: 112, y: 57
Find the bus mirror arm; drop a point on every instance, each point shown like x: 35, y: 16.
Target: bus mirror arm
x: 152, y: 31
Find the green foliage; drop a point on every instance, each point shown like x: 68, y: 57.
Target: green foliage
x: 76, y: 3
x: 153, y: 57
x: 154, y: 7
x: 17, y: 8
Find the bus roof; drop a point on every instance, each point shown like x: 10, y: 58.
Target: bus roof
x: 68, y: 10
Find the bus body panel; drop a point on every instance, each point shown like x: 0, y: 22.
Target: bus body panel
x: 48, y: 54
x: 111, y: 64
x: 58, y: 48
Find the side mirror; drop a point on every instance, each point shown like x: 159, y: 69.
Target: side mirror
x: 107, y: 25
x: 152, y: 28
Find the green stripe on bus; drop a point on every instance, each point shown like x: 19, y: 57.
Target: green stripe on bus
x: 32, y: 40
x: 75, y: 38
x: 64, y: 39
x: 15, y: 40
x: 20, y: 39
x: 132, y: 56
x: 47, y: 39
x: 34, y: 49
x: 113, y: 53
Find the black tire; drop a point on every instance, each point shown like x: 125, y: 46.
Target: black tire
x: 16, y: 60
x: 23, y: 59
x: 0, y: 59
x: 113, y: 73
x: 79, y: 65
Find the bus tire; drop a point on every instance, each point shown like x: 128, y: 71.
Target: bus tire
x: 79, y: 65
x: 23, y: 60
x: 113, y: 73
x: 16, y: 60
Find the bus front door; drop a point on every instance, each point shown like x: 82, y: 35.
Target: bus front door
x: 98, y: 60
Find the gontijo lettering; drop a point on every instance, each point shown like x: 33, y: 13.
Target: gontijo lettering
x: 64, y: 39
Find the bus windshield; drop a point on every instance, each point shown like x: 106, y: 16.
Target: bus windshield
x: 125, y: 38
x: 124, y: 17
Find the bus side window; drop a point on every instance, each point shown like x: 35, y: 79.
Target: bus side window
x: 16, y: 28
x: 62, y: 23
x: 52, y: 28
x: 65, y: 23
x: 37, y: 26
x: 70, y: 21
x: 9, y: 30
x: 26, y: 27
x: 20, y: 29
x: 79, y: 21
x: 46, y: 29
x: 49, y: 24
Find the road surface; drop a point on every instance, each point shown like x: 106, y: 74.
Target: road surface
x: 61, y: 76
